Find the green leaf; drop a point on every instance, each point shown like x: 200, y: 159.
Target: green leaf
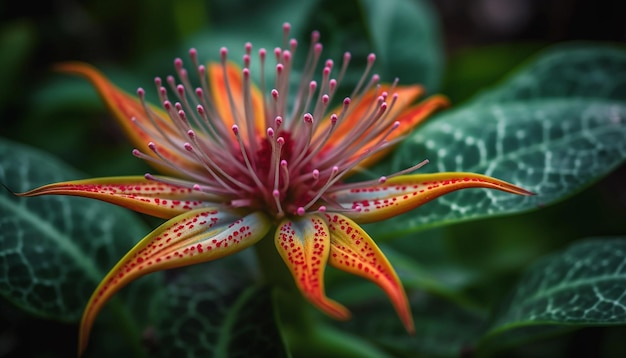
x: 264, y: 29
x: 212, y: 310
x: 582, y: 285
x: 473, y: 69
x: 446, y: 282
x: 441, y: 329
x: 553, y: 146
x: 566, y: 70
x: 405, y: 37
x: 55, y: 249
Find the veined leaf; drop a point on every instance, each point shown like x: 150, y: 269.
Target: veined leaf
x: 215, y: 311
x: 582, y: 285
x: 566, y: 70
x: 415, y: 56
x: 554, y: 146
x: 55, y: 249
x: 441, y: 329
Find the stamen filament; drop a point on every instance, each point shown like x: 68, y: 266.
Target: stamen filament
x: 246, y: 159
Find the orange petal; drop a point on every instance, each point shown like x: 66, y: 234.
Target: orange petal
x: 231, y: 109
x: 133, y: 192
x: 304, y: 244
x: 353, y: 250
x: 406, y: 192
x: 197, y: 236
x: 125, y: 107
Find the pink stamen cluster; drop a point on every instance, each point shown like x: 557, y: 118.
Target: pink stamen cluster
x: 283, y: 160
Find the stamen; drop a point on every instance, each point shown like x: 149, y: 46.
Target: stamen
x: 307, y: 74
x: 320, y: 142
x: 160, y: 160
x: 275, y: 97
x: 249, y: 112
x: 262, y: 55
x: 286, y: 30
x: 212, y: 167
x: 332, y: 178
x: 278, y: 121
x: 275, y: 156
x: 371, y: 58
x: 285, y: 170
x: 246, y: 159
x: 231, y: 100
x: 382, y: 179
x: 279, y: 208
x: 158, y: 124
x: 208, y: 193
x: 303, y: 145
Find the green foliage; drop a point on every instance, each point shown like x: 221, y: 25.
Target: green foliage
x: 415, y: 56
x: 210, y: 310
x: 547, y: 133
x: 54, y: 250
x: 581, y: 285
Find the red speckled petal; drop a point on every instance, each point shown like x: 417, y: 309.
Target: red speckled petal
x: 304, y: 244
x: 406, y: 192
x: 353, y: 250
x: 134, y: 192
x: 197, y: 236
x: 124, y: 107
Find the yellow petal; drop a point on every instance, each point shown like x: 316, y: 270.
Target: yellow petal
x: 197, y: 236
x: 406, y: 192
x: 125, y: 107
x: 133, y: 192
x: 304, y: 244
x: 353, y: 250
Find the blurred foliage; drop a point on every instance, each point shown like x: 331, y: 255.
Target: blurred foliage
x: 510, y: 286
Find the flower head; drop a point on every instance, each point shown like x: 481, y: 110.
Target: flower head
x: 241, y: 161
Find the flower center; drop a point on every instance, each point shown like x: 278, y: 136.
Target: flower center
x: 304, y: 152
x: 286, y: 182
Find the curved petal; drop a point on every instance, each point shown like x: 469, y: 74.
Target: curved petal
x: 227, y: 90
x: 403, y: 193
x: 353, y: 250
x: 197, y: 236
x: 304, y: 244
x: 133, y: 192
x: 125, y: 107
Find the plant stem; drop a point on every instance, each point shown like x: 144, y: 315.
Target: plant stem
x: 304, y: 336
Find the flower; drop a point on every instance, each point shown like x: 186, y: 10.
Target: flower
x: 242, y: 161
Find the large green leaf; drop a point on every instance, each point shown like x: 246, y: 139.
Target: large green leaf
x: 566, y: 70
x: 54, y: 250
x: 441, y: 329
x: 582, y: 285
x: 553, y: 146
x: 405, y: 36
x: 214, y: 310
